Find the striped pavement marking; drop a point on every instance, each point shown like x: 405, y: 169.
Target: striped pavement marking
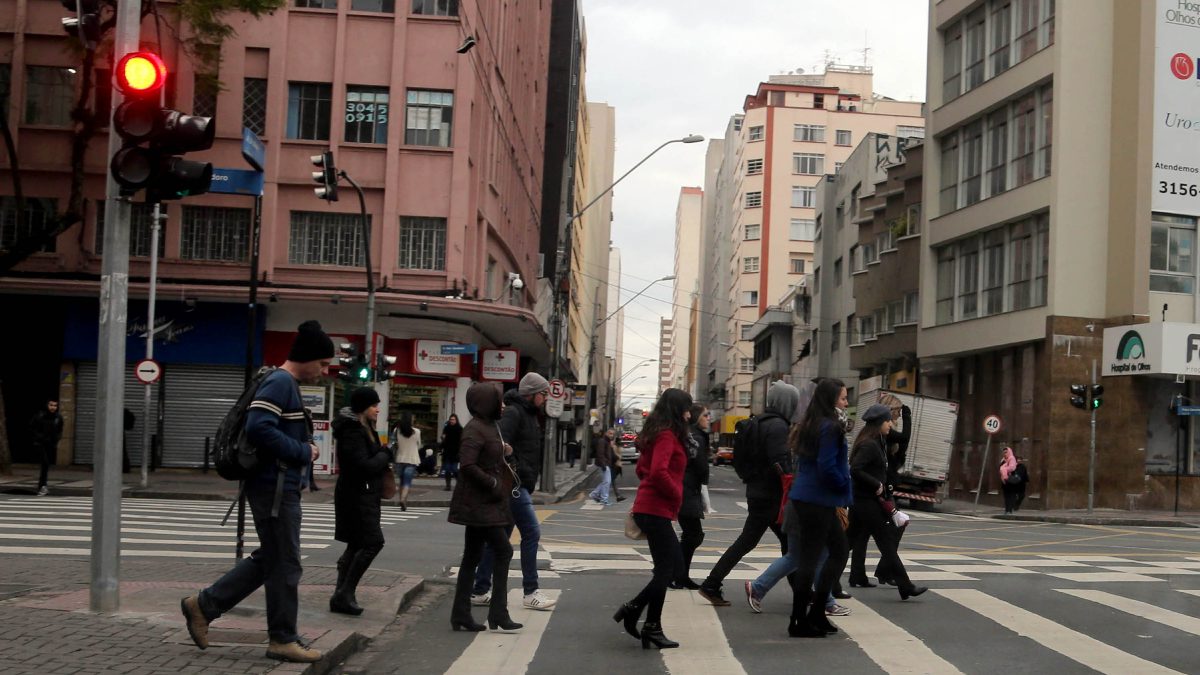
x: 692, y: 622
x: 496, y: 652
x: 1145, y: 610
x: 892, y: 648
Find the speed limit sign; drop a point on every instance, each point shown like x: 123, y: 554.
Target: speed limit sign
x: 992, y: 424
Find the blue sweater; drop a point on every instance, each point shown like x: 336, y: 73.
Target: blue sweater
x: 276, y: 425
x: 825, y: 480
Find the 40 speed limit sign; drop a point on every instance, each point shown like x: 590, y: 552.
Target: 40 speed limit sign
x: 992, y: 424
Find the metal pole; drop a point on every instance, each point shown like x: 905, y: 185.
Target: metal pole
x: 150, y: 318
x: 368, y: 338
x: 252, y: 307
x: 105, y: 590
x: 585, y: 451
x: 1179, y: 421
x: 1092, y: 452
x: 987, y: 448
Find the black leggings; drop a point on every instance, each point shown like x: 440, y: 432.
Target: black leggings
x: 693, y: 536
x: 819, y: 528
x: 668, y: 560
x: 496, y: 538
x: 867, y: 520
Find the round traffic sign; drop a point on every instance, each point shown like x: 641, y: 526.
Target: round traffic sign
x: 558, y: 389
x: 992, y: 424
x: 147, y: 371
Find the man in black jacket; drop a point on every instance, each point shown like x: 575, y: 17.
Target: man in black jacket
x: 520, y: 427
x: 764, y: 490
x: 46, y: 428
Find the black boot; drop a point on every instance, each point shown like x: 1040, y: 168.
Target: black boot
x: 628, y: 614
x: 799, y: 625
x: 337, y: 601
x: 652, y: 636
x: 460, y: 611
x: 911, y: 591
x: 498, y: 617
x: 817, y: 619
x: 343, y: 600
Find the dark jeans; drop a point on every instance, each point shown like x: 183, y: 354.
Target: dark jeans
x: 867, y: 520
x: 274, y: 564
x: 819, y: 528
x: 883, y: 570
x: 531, y: 533
x: 693, y: 536
x: 473, y: 548
x: 1013, y: 496
x: 761, y: 518
x: 668, y: 561
x: 47, y: 456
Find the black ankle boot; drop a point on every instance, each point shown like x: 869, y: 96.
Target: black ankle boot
x: 502, y: 622
x: 799, y: 627
x: 652, y: 635
x: 466, y: 623
x: 817, y: 619
x: 628, y: 614
x: 911, y: 591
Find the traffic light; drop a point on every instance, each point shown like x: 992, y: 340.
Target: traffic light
x: 85, y: 24
x: 327, y: 177
x: 353, y: 367
x: 1097, y: 396
x: 1079, y: 396
x: 383, y: 366
x: 141, y: 119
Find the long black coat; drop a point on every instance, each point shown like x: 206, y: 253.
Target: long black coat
x: 868, y: 469
x: 481, y: 495
x: 362, y: 462
x: 695, y: 474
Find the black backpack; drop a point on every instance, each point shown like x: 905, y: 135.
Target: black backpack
x: 747, y: 451
x: 233, y: 455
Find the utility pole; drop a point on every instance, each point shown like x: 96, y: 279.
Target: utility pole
x: 156, y: 218
x: 368, y: 338
x: 1092, y: 398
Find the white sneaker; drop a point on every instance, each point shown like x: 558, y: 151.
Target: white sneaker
x: 43, y: 491
x: 482, y: 600
x: 536, y: 600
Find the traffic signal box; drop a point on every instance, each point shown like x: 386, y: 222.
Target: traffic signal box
x: 1087, y: 397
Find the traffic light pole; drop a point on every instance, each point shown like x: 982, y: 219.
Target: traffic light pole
x: 368, y: 338
x: 150, y: 318
x: 104, y: 595
x: 1092, y: 452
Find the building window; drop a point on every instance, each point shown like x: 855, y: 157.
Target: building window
x: 803, y: 197
x: 749, y: 298
x: 754, y: 133
x: 745, y: 331
x: 857, y: 264
x: 972, y: 165
x: 429, y: 118
x: 309, y: 107
x: 215, y: 233
x: 990, y: 40
x: 852, y: 331
x: 912, y: 307
x: 1172, y: 253
x: 743, y: 398
x: 866, y: 328
x: 141, y: 215
x: 813, y: 133
x: 254, y: 104
x: 895, y: 314
x: 837, y: 166
x: 952, y: 62
x: 808, y: 163
x: 993, y: 272
x: 816, y: 280
x: 802, y: 229
x: 745, y: 365
x: 6, y: 86
x: 49, y: 94
x: 835, y: 337
x: 317, y: 4
x: 40, y: 214
x: 1011, y: 275
x: 968, y: 278
x: 1045, y: 130
x: 384, y: 6
x: 435, y: 7
x: 945, y: 284
x: 752, y: 232
x: 975, y: 38
x: 1027, y: 28
x: 1020, y: 284
x: 797, y: 265
x: 1001, y: 36
x: 422, y: 243
x: 1025, y: 139
x: 754, y: 167
x: 997, y: 145
x: 843, y: 137
x: 204, y: 95
x: 949, y: 173
x: 366, y: 114
x: 753, y: 200
x: 837, y: 273
x: 321, y: 238
x: 904, y: 131
x: 750, y: 264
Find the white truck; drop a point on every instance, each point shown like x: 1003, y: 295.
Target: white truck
x: 927, y: 461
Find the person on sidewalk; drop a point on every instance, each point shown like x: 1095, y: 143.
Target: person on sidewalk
x: 451, y: 441
x: 602, y: 450
x: 482, y: 502
x: 615, y: 473
x: 1022, y: 474
x: 764, y: 487
x: 520, y: 427
x: 46, y: 430
x: 1010, y: 480
x: 695, y: 496
x: 408, y: 456
x: 356, y: 496
x: 660, y: 493
x: 276, y: 424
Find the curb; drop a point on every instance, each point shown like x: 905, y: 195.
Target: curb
x: 347, y: 646
x: 1094, y: 520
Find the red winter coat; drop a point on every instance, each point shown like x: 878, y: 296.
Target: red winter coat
x: 660, y: 470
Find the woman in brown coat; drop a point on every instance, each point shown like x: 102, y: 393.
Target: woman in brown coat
x: 481, y: 503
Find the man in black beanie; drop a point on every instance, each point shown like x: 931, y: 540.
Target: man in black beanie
x: 277, y: 426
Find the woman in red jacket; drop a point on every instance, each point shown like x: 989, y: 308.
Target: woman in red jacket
x: 659, y: 496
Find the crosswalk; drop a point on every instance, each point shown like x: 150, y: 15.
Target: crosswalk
x: 61, y: 526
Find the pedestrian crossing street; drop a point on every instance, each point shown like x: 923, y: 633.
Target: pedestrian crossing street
x: 62, y: 526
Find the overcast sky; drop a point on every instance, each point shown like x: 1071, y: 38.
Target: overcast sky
x: 676, y: 67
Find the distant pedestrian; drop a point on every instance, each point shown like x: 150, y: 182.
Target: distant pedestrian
x: 616, y: 470
x: 276, y: 424
x: 602, y: 451
x: 1023, y: 475
x: 482, y: 503
x: 363, y: 462
x: 451, y: 441
x: 573, y: 447
x: 897, y: 454
x: 660, y: 469
x: 695, y: 488
x: 407, y: 442
x: 1012, y: 481
x: 46, y: 430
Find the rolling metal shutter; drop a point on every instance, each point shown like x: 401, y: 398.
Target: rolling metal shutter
x: 196, y: 399
x: 85, y: 413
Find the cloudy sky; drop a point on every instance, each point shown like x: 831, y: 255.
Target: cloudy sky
x: 676, y: 67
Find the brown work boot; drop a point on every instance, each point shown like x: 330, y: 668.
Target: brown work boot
x: 197, y: 624
x: 293, y: 652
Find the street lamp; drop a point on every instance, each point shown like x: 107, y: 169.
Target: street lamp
x: 629, y: 372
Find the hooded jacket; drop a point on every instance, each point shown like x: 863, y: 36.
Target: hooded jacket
x: 362, y: 462
x: 695, y: 473
x: 520, y: 428
x: 765, y: 487
x: 485, y: 480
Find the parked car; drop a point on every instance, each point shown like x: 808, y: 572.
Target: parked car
x: 629, y: 451
x: 722, y: 456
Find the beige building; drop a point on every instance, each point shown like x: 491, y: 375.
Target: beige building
x: 685, y: 288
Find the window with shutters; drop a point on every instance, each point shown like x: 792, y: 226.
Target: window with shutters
x: 215, y: 233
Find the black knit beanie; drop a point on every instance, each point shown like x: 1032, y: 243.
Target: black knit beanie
x: 363, y: 398
x: 312, y: 344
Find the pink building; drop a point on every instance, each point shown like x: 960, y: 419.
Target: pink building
x: 448, y: 147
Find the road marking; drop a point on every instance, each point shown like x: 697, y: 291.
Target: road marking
x: 892, y: 648
x: 494, y: 652
x: 142, y: 542
x: 1101, y: 577
x: 85, y: 526
x: 1145, y: 610
x: 703, y: 648
x: 1071, y: 644
x: 981, y: 569
x: 1035, y: 562
x: 590, y: 505
x: 125, y: 553
x: 1141, y: 569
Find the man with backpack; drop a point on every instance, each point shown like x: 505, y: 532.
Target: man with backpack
x: 760, y: 457
x: 277, y: 427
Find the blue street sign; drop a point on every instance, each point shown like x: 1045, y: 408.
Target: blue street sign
x: 236, y: 182
x: 253, y: 150
x: 1188, y: 410
x: 459, y: 349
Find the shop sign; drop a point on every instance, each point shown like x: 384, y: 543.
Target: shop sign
x: 323, y: 439
x: 1152, y: 349
x: 1175, y: 173
x: 428, y: 358
x: 579, y: 395
x: 500, y: 365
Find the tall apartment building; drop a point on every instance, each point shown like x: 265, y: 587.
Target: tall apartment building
x: 714, y: 288
x: 666, y: 353
x: 448, y: 147
x: 795, y: 129
x: 614, y: 334
x: 685, y: 288
x: 1052, y: 218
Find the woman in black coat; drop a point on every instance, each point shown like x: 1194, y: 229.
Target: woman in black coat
x: 362, y: 461
x: 695, y: 477
x: 451, y: 440
x: 481, y: 503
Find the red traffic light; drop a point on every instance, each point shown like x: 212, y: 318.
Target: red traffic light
x: 141, y: 73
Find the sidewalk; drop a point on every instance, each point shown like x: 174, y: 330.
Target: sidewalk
x: 1115, y: 517
x: 44, y: 600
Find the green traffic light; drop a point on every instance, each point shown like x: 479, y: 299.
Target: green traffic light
x: 364, y: 373
x: 1096, y: 402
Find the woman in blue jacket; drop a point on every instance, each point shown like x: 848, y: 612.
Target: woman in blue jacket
x: 821, y: 485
